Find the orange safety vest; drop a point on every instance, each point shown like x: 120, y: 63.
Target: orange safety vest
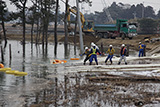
x: 122, y: 51
x: 140, y: 47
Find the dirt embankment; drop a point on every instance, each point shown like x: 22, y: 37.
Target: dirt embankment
x: 134, y: 43
x: 151, y: 41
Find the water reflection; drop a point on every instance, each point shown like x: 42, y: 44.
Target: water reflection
x: 35, y: 63
x: 75, y: 90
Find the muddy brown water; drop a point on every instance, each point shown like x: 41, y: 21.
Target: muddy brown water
x: 48, y: 85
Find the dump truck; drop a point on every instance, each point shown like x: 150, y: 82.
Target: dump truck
x: 120, y: 29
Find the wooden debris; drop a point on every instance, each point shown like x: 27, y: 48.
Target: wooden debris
x: 110, y: 77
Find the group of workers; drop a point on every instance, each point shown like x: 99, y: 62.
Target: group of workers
x: 92, y: 53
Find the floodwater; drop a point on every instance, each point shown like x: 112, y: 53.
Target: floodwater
x: 36, y: 64
x: 49, y: 85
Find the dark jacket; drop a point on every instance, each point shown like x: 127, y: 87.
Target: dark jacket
x: 87, y: 52
x: 123, y: 51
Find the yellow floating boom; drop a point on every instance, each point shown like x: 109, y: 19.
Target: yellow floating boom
x: 16, y: 73
x: 4, y: 69
x: 20, y: 73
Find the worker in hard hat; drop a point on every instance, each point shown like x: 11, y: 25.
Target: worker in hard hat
x: 110, y: 52
x: 93, y: 53
x: 87, y: 53
x: 141, y: 49
x: 122, y: 54
x: 93, y: 44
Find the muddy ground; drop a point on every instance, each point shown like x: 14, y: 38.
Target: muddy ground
x: 96, y: 86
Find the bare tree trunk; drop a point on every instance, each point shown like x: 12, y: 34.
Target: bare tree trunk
x: 46, y: 28
x: 38, y: 22
x: 66, y: 30
x: 43, y: 37
x: 3, y: 28
x: 40, y: 30
x: 24, y: 27
x: 44, y: 25
x: 37, y: 32
x: 32, y: 37
x: 4, y: 32
x: 46, y: 34
x: 32, y: 32
x: 2, y: 56
x: 55, y: 29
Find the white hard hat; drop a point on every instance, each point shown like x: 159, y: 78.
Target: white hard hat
x: 123, y: 45
x: 92, y: 44
x: 110, y: 45
x: 86, y: 48
x: 139, y: 42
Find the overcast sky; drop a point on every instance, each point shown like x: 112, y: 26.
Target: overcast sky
x: 98, y: 5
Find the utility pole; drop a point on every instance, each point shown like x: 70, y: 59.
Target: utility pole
x: 75, y: 32
x: 80, y: 28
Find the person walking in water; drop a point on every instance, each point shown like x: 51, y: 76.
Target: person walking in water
x: 110, y: 52
x: 93, y: 53
x: 122, y: 54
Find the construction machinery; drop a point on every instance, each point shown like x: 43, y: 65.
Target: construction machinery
x: 120, y: 29
x: 87, y: 26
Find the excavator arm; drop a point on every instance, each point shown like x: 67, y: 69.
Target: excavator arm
x: 87, y: 26
x: 74, y: 11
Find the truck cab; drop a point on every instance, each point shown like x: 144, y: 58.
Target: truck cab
x: 122, y: 25
x: 125, y: 29
x: 132, y: 30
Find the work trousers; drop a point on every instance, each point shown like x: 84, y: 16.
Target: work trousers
x: 123, y: 57
x: 87, y: 58
x: 95, y: 58
x: 141, y: 53
x: 109, y: 57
